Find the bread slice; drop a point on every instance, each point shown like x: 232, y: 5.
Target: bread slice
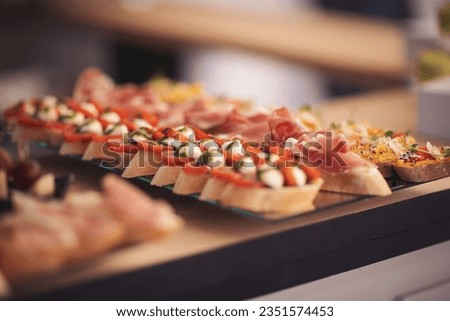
x: 362, y: 180
x: 190, y: 183
x: 29, y: 134
x: 423, y: 171
x: 73, y: 148
x: 4, y: 287
x: 53, y: 137
x: 385, y: 169
x: 3, y: 185
x: 44, y: 186
x: 286, y: 200
x: 166, y: 175
x: 213, y: 189
x: 143, y: 163
x: 95, y: 151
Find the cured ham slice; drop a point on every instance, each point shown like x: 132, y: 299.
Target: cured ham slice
x: 94, y: 85
x: 44, y: 236
x: 250, y: 127
x: 342, y: 170
x: 283, y: 125
x: 144, y: 217
x: 329, y: 152
x: 31, y: 244
x: 206, y: 116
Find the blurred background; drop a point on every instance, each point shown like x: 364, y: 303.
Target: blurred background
x: 286, y: 52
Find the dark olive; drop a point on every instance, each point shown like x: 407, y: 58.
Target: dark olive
x: 6, y: 161
x: 25, y: 174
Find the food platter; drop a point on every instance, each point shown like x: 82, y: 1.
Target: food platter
x: 325, y: 200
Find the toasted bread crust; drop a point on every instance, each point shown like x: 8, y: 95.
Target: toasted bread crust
x: 4, y: 287
x: 385, y: 169
x: 94, y: 151
x: 190, y: 184
x: 73, y: 148
x: 53, y: 137
x: 363, y: 180
x: 286, y: 200
x: 166, y: 175
x: 143, y: 163
x: 44, y: 186
x: 213, y: 189
x: 420, y: 173
x: 3, y: 185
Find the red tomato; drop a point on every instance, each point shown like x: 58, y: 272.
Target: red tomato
x: 195, y: 170
x: 170, y: 159
x: 78, y: 137
x: 125, y: 148
x: 422, y: 155
x: 200, y: 134
x: 289, y: 178
x: 223, y: 174
x: 242, y: 182
x: 311, y: 173
x: 30, y: 122
x: 153, y: 148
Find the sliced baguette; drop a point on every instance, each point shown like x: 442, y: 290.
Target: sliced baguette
x: 73, y: 148
x: 424, y: 172
x: 286, y: 200
x: 29, y: 134
x: 4, y: 287
x: 190, y: 183
x: 3, y: 185
x: 53, y: 137
x: 95, y: 151
x: 213, y: 189
x: 44, y: 186
x: 166, y: 175
x: 385, y: 168
x: 143, y: 163
x: 362, y: 180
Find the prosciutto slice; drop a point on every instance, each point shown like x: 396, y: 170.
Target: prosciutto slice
x: 329, y: 152
x: 44, y: 236
x: 249, y: 127
x: 283, y: 125
x: 94, y: 85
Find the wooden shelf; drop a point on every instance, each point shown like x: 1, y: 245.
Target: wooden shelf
x: 337, y: 43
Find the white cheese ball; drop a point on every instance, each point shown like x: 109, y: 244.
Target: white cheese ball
x: 189, y: 150
x: 186, y: 131
x: 76, y: 118
x: 141, y: 123
x: 299, y: 176
x: 110, y: 117
x: 116, y: 129
x: 89, y: 108
x: 272, y: 178
x: 48, y: 114
x: 92, y: 126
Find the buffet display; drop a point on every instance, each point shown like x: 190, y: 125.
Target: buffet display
x: 267, y: 162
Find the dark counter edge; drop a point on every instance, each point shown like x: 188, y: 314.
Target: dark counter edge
x: 279, y: 261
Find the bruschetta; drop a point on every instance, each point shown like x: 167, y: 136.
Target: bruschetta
x: 272, y: 191
x: 424, y: 163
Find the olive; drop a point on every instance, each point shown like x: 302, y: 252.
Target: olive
x: 6, y: 161
x: 25, y: 174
